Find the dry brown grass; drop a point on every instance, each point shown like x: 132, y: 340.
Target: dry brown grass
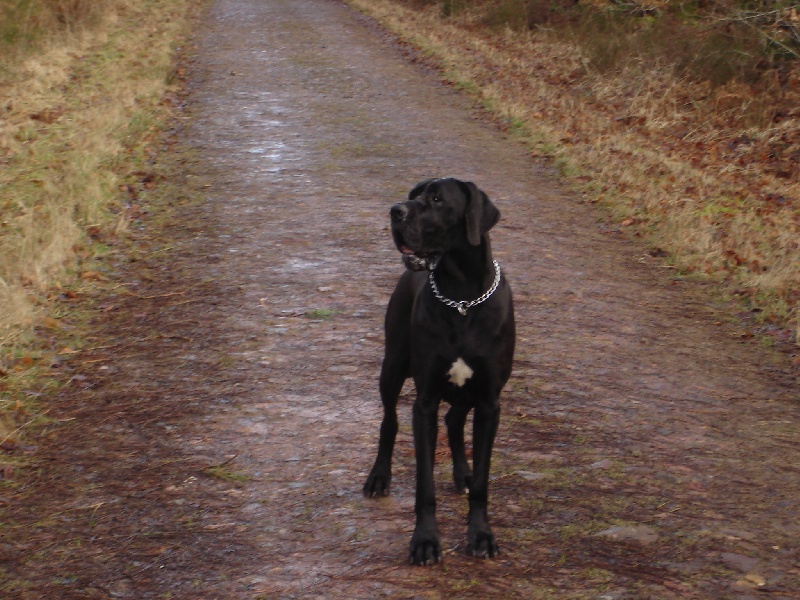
x: 705, y: 172
x: 71, y: 110
x: 82, y: 97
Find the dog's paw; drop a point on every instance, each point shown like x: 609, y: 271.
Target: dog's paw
x: 463, y: 482
x: 481, y: 544
x: 377, y: 485
x: 425, y: 549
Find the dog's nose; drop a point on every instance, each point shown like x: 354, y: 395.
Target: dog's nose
x: 399, y: 212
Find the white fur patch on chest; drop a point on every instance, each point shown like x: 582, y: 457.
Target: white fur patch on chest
x: 459, y: 372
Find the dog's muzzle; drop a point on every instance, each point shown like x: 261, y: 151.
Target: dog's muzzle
x: 399, y: 212
x: 416, y: 261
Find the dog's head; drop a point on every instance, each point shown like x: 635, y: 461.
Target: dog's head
x: 440, y: 214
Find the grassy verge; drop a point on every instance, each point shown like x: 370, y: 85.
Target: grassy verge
x: 85, y: 90
x: 703, y: 167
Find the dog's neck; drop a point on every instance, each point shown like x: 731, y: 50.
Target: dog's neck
x: 465, y: 272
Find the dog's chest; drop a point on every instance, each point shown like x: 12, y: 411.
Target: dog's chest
x: 459, y: 372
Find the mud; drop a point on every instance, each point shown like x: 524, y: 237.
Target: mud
x: 214, y: 440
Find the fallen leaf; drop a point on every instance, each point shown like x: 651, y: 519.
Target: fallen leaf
x: 752, y: 580
x: 634, y: 533
x: 92, y: 276
x: 48, y: 115
x: 51, y: 323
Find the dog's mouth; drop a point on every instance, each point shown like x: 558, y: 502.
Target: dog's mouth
x: 417, y: 261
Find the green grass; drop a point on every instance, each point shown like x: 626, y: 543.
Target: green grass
x: 225, y: 474
x: 321, y: 313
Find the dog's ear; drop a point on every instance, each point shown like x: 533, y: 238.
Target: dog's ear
x: 482, y: 215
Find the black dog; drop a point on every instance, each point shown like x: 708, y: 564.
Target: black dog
x: 452, y: 330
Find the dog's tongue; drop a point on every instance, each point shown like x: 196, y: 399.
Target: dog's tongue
x: 406, y: 250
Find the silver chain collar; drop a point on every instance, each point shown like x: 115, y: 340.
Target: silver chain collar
x: 463, y: 305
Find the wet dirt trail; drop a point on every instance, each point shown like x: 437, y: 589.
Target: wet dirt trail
x: 220, y: 429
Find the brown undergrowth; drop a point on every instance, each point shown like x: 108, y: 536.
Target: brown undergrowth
x: 699, y: 161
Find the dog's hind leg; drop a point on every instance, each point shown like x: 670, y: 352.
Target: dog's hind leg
x: 455, y: 419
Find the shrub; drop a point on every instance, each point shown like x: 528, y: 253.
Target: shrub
x: 704, y: 40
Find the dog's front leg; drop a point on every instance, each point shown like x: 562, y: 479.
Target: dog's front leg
x: 392, y: 378
x: 480, y: 539
x: 394, y: 371
x: 425, y: 548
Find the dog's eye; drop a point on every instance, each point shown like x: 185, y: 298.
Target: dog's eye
x: 437, y: 199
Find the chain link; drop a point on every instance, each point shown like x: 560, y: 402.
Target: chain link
x: 463, y: 305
